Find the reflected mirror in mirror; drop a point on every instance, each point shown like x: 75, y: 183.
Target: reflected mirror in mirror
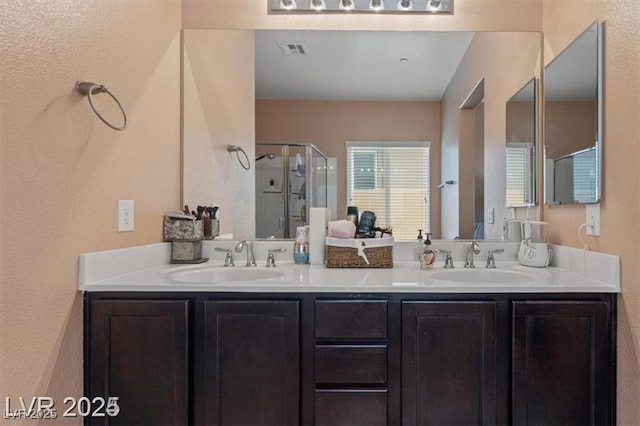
x: 573, y: 124
x: 520, y: 150
x: 348, y: 85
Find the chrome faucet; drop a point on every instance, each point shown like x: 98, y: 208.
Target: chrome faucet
x: 448, y: 260
x: 248, y: 247
x: 271, y: 260
x: 472, y: 248
x: 228, y: 259
x: 491, y: 261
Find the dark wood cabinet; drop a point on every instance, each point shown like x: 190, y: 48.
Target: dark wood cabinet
x: 138, y: 352
x: 561, y: 363
x: 448, y: 363
x: 250, y: 374
x: 352, y: 359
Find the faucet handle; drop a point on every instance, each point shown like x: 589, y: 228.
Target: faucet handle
x: 271, y: 260
x: 228, y: 259
x: 448, y: 259
x: 491, y: 261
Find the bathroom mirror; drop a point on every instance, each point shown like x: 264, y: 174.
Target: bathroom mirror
x: 573, y: 121
x: 521, y: 147
x: 505, y: 59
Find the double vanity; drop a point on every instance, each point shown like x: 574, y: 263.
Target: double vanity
x: 305, y: 344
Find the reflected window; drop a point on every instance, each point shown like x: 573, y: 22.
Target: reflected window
x: 519, y: 171
x: 391, y: 179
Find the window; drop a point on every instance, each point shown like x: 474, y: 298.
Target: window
x: 519, y: 174
x: 391, y: 179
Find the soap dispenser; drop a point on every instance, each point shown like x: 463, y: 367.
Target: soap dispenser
x: 427, y: 256
x: 417, y: 252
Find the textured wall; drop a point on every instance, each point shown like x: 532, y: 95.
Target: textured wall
x: 329, y: 124
x: 563, y: 21
x: 63, y: 170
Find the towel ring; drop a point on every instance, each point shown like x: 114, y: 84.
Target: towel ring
x: 86, y: 88
x: 237, y: 149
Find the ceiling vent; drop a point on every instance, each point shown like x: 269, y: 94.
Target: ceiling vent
x: 289, y: 48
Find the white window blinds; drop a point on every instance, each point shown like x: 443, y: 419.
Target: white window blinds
x: 519, y: 170
x: 391, y: 179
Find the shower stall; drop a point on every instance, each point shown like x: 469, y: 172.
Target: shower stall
x: 290, y: 179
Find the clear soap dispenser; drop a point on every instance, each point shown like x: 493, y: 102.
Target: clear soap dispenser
x: 428, y: 256
x: 418, y: 250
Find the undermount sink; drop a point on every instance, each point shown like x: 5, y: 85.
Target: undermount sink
x: 484, y: 276
x: 221, y: 275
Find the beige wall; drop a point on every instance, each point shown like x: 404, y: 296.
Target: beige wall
x: 63, y: 170
x: 563, y: 21
x: 219, y: 110
x: 329, y: 124
x: 506, y: 61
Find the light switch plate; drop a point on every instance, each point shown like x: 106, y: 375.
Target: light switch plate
x: 593, y: 219
x: 491, y: 215
x: 125, y: 215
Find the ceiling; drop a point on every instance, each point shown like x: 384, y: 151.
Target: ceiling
x: 357, y: 65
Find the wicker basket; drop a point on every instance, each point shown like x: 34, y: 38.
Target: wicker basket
x: 359, y: 253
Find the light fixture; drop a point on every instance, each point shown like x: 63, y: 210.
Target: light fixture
x: 376, y: 5
x: 347, y: 5
x: 318, y: 5
x: 381, y: 7
x: 433, y: 5
x: 405, y: 5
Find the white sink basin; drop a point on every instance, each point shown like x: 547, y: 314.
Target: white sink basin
x: 484, y: 276
x: 221, y: 275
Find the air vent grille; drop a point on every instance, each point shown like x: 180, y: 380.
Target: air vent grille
x: 292, y: 48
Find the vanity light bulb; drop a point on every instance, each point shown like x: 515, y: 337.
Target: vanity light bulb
x: 288, y: 4
x: 433, y: 5
x: 318, y: 5
x: 347, y: 4
x: 405, y: 5
x: 376, y: 5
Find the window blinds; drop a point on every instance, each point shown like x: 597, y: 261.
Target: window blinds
x: 519, y: 164
x: 392, y: 180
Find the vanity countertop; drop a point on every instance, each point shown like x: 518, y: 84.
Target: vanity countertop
x: 136, y: 270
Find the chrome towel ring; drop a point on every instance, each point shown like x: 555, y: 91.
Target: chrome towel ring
x: 237, y: 149
x: 86, y: 88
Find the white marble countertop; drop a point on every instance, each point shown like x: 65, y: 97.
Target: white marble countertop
x: 146, y: 269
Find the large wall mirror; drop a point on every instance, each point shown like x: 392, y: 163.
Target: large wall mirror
x: 521, y: 147
x: 573, y: 121
x: 329, y: 87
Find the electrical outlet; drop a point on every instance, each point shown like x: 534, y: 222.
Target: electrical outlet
x: 125, y: 215
x: 593, y: 219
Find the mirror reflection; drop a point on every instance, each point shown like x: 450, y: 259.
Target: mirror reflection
x: 520, y: 150
x: 328, y: 88
x: 572, y: 126
x: 290, y: 180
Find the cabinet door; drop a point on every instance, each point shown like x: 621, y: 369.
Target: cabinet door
x: 138, y: 353
x: 561, y: 363
x: 251, y: 363
x: 448, y: 363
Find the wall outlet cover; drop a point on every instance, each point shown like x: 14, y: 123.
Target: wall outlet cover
x: 593, y: 219
x: 125, y: 215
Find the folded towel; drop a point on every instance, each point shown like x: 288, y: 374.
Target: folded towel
x: 341, y: 229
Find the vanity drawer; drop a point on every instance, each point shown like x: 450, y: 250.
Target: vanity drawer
x: 348, y: 407
x: 351, y: 319
x: 350, y: 364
